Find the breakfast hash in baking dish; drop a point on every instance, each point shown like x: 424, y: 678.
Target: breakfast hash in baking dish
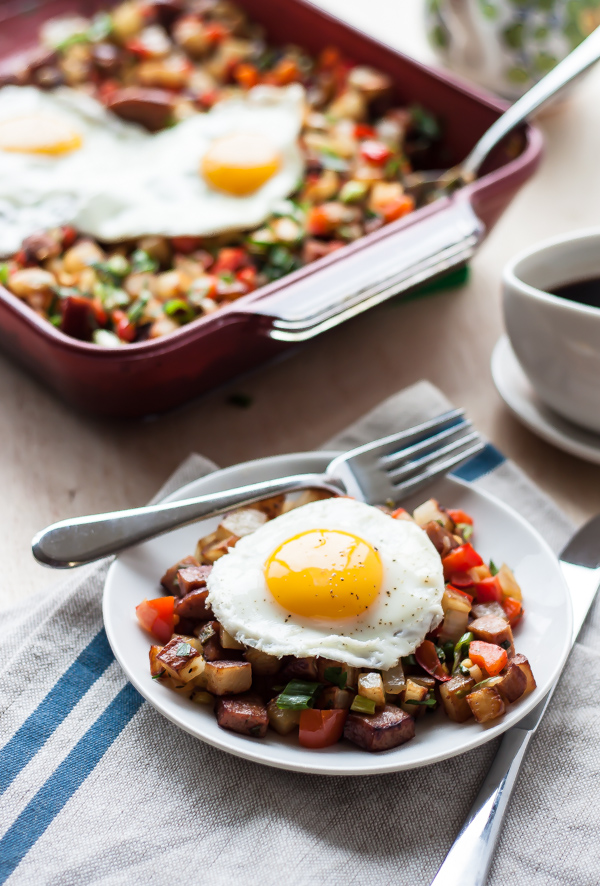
x: 160, y: 160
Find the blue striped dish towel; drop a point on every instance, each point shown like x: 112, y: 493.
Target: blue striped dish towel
x: 96, y: 787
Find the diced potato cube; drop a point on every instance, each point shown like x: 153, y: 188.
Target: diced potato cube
x: 394, y: 681
x: 486, y: 704
x: 509, y: 584
x: 424, y: 680
x: 193, y: 641
x: 228, y: 677
x: 480, y: 610
x: 522, y: 662
x: 156, y: 668
x: 455, y: 703
x: 413, y: 692
x: 272, y: 507
x: 216, y: 548
x: 431, y: 510
x: 263, y: 664
x: 282, y: 722
x: 370, y: 685
x: 181, y: 660
x: 512, y: 684
x: 242, y: 522
x: 305, y: 498
x: 227, y: 641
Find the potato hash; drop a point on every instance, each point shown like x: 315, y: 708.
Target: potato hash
x: 467, y: 665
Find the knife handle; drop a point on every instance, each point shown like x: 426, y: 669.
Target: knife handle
x: 469, y: 859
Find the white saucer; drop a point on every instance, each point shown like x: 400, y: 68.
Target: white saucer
x: 515, y: 389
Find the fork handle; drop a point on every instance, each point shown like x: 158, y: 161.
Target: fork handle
x: 85, y: 539
x: 469, y: 860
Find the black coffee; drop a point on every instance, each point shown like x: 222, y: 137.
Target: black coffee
x: 586, y: 292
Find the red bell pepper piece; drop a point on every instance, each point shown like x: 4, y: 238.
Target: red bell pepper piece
x: 247, y: 276
x: 231, y: 258
x: 158, y: 617
x: 427, y: 657
x: 489, y: 656
x: 488, y: 590
x: 399, y: 513
x: 513, y: 609
x: 68, y: 236
x: 459, y: 516
x: 375, y: 152
x: 320, y: 729
x: 461, y: 559
x: 363, y: 131
x: 124, y: 328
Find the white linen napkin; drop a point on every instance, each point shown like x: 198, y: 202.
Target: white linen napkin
x: 97, y: 787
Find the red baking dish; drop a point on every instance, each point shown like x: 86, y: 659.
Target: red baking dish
x: 153, y: 376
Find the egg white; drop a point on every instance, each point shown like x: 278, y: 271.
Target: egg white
x: 125, y: 182
x: 406, y: 608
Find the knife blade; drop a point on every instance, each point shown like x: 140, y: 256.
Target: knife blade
x: 470, y: 857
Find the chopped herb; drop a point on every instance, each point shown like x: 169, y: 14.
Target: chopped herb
x: 337, y: 676
x: 392, y: 167
x: 506, y: 644
x: 113, y: 270
x: 111, y: 296
x: 141, y: 261
x: 461, y: 648
x: 185, y: 649
x: 353, y: 191
x: 425, y: 702
x: 136, y: 311
x: 255, y: 730
x: 362, y: 705
x: 66, y: 291
x: 158, y: 676
x: 409, y: 661
x: 227, y: 277
x: 4, y: 273
x: 55, y: 319
x: 493, y: 568
x: 425, y: 123
x: 465, y: 529
x: 298, y: 695
x: 242, y: 401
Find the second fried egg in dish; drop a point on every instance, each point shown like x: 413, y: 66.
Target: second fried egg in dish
x: 65, y: 159
x: 335, y: 578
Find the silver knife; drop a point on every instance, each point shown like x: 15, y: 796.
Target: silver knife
x: 469, y: 859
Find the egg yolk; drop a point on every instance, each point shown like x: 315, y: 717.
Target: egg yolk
x: 240, y: 164
x: 324, y: 573
x: 38, y: 134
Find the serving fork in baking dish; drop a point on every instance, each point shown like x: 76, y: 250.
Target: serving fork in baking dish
x: 385, y: 471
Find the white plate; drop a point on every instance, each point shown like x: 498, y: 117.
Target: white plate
x: 544, y: 636
x: 517, y: 392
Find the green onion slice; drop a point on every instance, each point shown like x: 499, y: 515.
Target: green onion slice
x: 298, y: 695
x: 337, y: 676
x: 362, y: 705
x: 460, y: 649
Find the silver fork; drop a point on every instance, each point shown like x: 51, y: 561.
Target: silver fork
x: 385, y: 470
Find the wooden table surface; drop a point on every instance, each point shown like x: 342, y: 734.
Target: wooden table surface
x: 55, y: 463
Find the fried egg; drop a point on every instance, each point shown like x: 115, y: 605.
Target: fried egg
x: 335, y: 578
x: 65, y: 159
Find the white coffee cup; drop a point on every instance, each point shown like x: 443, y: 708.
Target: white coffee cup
x: 557, y: 341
